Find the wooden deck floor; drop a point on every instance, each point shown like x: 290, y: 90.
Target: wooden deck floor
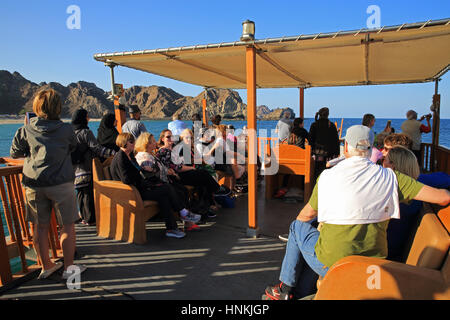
x: 219, y: 262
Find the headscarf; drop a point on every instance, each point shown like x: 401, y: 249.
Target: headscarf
x: 107, y: 133
x: 79, y: 119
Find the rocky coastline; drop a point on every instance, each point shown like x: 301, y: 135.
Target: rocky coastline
x: 155, y: 102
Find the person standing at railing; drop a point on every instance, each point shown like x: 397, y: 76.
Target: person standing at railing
x: 414, y: 128
x: 87, y: 149
x: 284, y: 127
x: 324, y: 141
x: 46, y: 144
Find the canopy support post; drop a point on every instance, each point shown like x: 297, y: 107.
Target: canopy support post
x: 302, y: 102
x: 205, y: 114
x: 252, y: 230
x: 118, y: 111
x: 436, y: 123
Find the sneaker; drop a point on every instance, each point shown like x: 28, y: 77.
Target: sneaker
x: 80, y: 270
x: 191, y: 227
x: 47, y: 273
x: 284, y: 237
x: 191, y: 217
x: 211, y: 214
x: 276, y: 293
x: 175, y: 234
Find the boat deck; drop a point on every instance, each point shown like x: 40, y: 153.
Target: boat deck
x: 218, y: 262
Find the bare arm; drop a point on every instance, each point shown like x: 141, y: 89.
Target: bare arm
x: 433, y: 195
x: 307, y: 213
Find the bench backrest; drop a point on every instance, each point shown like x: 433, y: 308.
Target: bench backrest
x: 431, y: 242
x: 100, y: 170
x: 293, y: 159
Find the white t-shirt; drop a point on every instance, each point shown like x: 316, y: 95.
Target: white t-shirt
x: 357, y: 191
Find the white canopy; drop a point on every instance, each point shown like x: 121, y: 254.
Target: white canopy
x: 409, y: 53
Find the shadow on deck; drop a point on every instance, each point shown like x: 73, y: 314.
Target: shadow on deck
x: 216, y: 263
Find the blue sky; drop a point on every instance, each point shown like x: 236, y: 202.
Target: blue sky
x: 37, y: 43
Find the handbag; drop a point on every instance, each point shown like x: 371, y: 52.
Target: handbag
x: 150, y: 179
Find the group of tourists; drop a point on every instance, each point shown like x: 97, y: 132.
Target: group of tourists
x: 373, y: 221
x: 57, y: 171
x: 359, y: 206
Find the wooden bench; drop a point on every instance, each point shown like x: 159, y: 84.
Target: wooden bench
x: 425, y: 275
x: 119, y: 210
x: 295, y: 161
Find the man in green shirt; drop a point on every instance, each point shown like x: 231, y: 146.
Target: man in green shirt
x: 354, y: 200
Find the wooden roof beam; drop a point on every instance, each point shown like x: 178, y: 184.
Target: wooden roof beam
x: 204, y: 68
x: 277, y: 66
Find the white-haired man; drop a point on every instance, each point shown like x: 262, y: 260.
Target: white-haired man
x: 414, y: 129
x: 354, y: 200
x: 284, y: 126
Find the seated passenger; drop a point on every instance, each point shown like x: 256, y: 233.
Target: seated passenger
x: 188, y: 174
x: 400, y: 231
x: 299, y: 134
x: 297, y: 137
x: 377, y: 150
x: 125, y: 168
x: 396, y: 139
x: 224, y: 157
x: 356, y: 226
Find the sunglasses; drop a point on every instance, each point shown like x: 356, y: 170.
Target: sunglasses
x: 168, y: 137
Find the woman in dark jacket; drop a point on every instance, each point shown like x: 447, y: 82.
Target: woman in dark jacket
x: 87, y: 149
x: 324, y: 140
x: 107, y: 132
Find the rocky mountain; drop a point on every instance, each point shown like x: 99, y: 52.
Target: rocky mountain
x: 275, y: 114
x: 17, y: 93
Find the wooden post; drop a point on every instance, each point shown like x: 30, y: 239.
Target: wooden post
x: 436, y: 124
x: 119, y: 113
x: 252, y: 230
x: 121, y: 116
x: 205, y: 114
x: 302, y: 103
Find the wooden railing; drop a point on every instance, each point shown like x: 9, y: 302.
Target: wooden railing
x: 265, y: 145
x: 441, y: 158
x: 20, y: 231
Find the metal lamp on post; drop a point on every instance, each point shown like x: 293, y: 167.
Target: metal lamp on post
x: 116, y: 95
x: 248, y: 31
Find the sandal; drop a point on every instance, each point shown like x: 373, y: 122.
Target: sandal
x: 47, y: 273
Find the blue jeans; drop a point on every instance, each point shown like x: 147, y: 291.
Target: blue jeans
x: 300, y: 249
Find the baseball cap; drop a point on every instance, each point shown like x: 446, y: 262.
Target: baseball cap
x: 133, y: 109
x: 355, y: 134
